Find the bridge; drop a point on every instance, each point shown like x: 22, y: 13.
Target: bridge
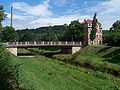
x: 12, y: 46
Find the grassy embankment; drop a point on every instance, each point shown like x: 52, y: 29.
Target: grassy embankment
x: 98, y: 58
x: 37, y: 51
x: 41, y: 73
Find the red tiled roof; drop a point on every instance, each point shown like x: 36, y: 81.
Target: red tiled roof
x: 88, y: 21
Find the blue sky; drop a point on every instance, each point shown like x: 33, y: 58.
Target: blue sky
x: 37, y: 13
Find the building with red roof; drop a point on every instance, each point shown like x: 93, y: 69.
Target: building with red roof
x: 98, y: 39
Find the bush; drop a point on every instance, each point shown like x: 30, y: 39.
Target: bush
x: 36, y: 51
x: 8, y: 71
x: 63, y: 57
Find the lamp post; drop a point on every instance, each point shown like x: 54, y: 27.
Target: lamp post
x: 11, y: 15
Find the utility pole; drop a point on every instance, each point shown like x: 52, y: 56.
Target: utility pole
x: 11, y: 15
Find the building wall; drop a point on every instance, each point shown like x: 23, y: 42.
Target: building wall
x: 98, y: 39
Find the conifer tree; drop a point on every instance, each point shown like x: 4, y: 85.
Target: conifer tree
x: 94, y: 28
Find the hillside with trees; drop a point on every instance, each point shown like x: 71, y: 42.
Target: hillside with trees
x: 75, y: 31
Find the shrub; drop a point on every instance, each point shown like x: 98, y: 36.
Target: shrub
x: 8, y: 71
x: 63, y: 57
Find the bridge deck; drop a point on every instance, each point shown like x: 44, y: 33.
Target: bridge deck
x: 42, y: 43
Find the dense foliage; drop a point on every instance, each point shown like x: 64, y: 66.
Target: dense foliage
x: 2, y: 16
x: 39, y: 30
x: 8, y: 71
x: 75, y: 31
x: 94, y: 28
x: 8, y: 34
x: 113, y: 36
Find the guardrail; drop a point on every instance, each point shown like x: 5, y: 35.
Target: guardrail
x: 43, y: 43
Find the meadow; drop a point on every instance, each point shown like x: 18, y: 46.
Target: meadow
x: 41, y: 73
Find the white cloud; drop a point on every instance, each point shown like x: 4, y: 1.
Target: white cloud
x: 40, y: 15
x: 16, y: 16
x: 108, y: 12
x: 48, y: 21
x: 37, y: 10
x: 25, y: 17
x: 59, y: 20
x: 63, y: 2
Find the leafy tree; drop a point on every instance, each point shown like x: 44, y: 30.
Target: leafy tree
x: 113, y: 36
x: 51, y: 35
x: 75, y: 31
x: 40, y: 37
x: 62, y: 34
x: 8, y: 71
x: 94, y: 28
x: 2, y: 16
x: 9, y: 34
x: 27, y: 36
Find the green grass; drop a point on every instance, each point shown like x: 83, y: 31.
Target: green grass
x: 99, y: 58
x: 41, y: 73
x: 38, y: 51
x: 102, y: 53
x: 22, y: 50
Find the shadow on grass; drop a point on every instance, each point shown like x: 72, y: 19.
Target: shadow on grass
x: 110, y: 56
x: 103, y: 50
x: 113, y: 57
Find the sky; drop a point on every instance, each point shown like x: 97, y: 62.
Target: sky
x: 40, y: 13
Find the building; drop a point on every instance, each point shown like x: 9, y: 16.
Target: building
x: 98, y: 39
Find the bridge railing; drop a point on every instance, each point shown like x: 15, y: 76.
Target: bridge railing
x: 42, y: 43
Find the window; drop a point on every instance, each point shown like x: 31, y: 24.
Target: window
x: 97, y: 36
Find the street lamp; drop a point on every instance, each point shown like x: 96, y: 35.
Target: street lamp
x: 11, y: 15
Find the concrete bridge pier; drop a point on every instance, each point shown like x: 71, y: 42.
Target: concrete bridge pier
x: 13, y: 50
x: 75, y: 49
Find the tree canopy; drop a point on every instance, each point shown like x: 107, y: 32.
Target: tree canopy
x: 2, y: 16
x: 75, y: 31
x: 113, y: 36
x: 8, y: 34
x: 51, y: 35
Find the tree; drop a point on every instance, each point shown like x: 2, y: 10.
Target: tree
x: 2, y: 16
x: 94, y: 28
x: 51, y: 35
x: 40, y: 37
x: 62, y: 34
x: 27, y: 36
x: 76, y: 31
x: 8, y: 71
x: 113, y: 36
x: 9, y: 34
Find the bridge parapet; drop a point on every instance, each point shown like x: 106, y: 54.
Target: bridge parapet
x: 42, y: 43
